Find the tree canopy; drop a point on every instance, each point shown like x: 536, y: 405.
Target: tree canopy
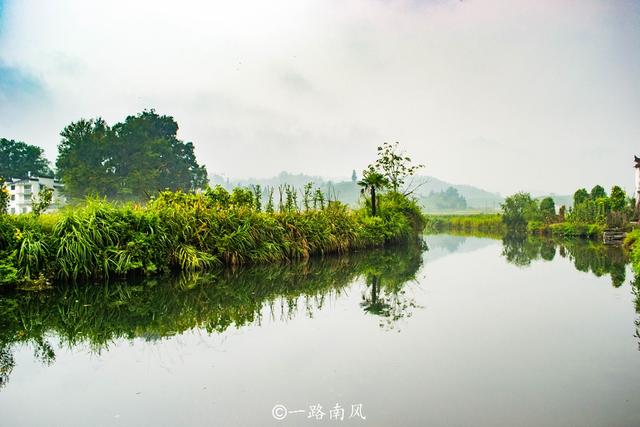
x: 597, y: 192
x: 18, y: 159
x: 519, y: 209
x: 395, y: 165
x: 129, y: 160
x: 548, y: 209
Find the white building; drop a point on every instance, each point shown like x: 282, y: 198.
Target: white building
x: 22, y: 191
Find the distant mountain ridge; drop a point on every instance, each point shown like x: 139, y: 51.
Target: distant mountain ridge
x: 349, y: 192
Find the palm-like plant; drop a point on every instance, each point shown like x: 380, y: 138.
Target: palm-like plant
x: 372, y: 181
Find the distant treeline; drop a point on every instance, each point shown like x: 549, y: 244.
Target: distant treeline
x: 592, y: 212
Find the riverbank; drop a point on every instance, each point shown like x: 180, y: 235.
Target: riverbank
x: 494, y: 224
x: 473, y: 223
x: 632, y: 244
x: 189, y: 232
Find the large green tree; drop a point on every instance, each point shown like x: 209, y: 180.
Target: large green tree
x: 548, y: 209
x: 580, y: 196
x: 129, y: 160
x: 598, y: 192
x: 18, y: 159
x: 519, y: 209
x: 618, y: 198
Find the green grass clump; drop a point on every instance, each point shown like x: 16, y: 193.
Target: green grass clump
x: 178, y: 231
x: 632, y: 244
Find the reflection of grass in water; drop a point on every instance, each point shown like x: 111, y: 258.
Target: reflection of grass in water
x: 151, y: 309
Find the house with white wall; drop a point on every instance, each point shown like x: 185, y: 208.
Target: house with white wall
x: 23, y: 191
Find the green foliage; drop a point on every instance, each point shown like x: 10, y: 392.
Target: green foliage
x: 42, y: 201
x: 242, y: 197
x: 4, y: 197
x: 580, y: 196
x: 518, y: 210
x: 188, y: 232
x: 618, y: 199
x: 128, y: 161
x: 477, y: 224
x: 218, y: 196
x: 270, y: 207
x: 373, y: 181
x: 590, y: 211
x: 632, y: 244
x: 307, y: 195
x: 548, y: 209
x: 598, y: 192
x: 18, y: 159
x: 257, y: 192
x: 394, y: 165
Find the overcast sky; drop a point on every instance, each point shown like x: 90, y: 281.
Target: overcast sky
x: 507, y: 95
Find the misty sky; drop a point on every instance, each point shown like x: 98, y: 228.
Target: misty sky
x: 507, y: 95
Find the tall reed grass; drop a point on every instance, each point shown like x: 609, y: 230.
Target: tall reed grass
x: 178, y: 231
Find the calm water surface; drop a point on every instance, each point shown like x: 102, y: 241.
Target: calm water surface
x: 473, y: 331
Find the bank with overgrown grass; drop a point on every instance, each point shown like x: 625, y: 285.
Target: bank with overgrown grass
x: 187, y: 232
x: 494, y: 224
x: 632, y: 244
x: 474, y: 223
x: 591, y: 215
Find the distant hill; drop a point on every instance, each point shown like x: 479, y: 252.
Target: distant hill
x: 477, y: 198
x: 349, y: 192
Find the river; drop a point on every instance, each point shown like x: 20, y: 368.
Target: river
x: 471, y: 331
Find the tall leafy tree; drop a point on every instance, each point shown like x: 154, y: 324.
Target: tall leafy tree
x: 395, y: 165
x: 129, y: 160
x: 618, y: 199
x: 580, y: 196
x: 548, y: 209
x: 18, y: 159
x: 85, y: 159
x: 598, y: 192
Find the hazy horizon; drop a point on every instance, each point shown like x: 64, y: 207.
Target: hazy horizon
x: 539, y: 96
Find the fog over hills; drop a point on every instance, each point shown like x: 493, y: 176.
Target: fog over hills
x: 347, y: 191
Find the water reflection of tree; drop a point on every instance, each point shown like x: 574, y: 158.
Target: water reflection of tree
x: 587, y: 255
x: 97, y: 315
x: 386, y: 293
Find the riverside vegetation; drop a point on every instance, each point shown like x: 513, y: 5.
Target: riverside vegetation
x: 591, y: 213
x: 190, y: 231
x: 178, y: 231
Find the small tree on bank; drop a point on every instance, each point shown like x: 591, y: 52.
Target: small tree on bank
x: 371, y: 182
x: 395, y: 165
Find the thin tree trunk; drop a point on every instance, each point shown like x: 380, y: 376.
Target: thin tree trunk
x: 373, y: 201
